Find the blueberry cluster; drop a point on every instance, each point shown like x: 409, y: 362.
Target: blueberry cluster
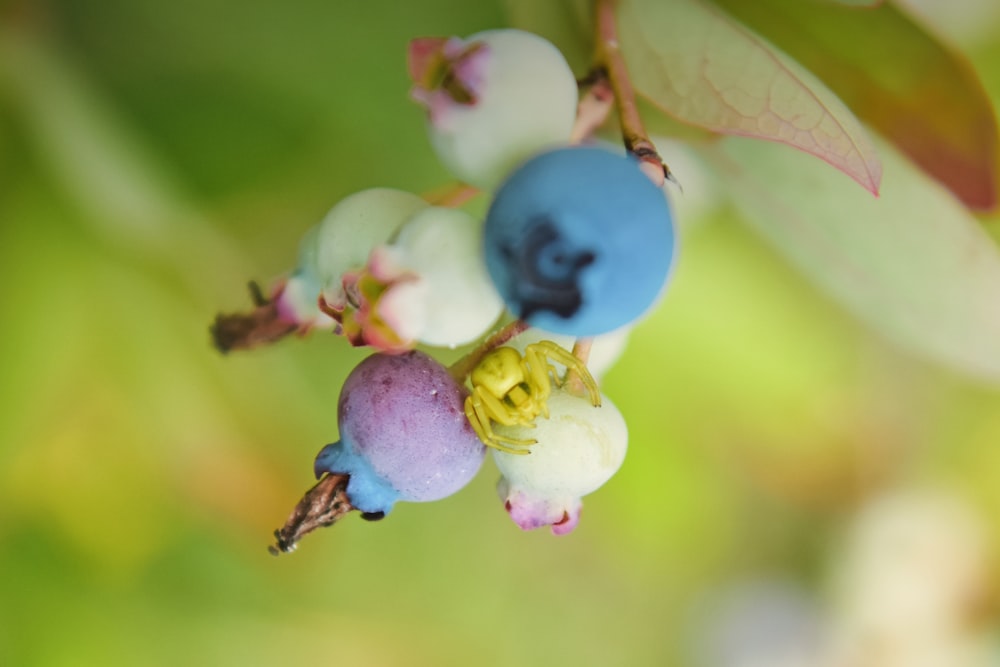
x: 576, y: 246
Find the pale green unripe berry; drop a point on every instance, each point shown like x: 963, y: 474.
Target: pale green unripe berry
x: 442, y: 295
x: 353, y: 227
x: 579, y: 448
x: 516, y: 97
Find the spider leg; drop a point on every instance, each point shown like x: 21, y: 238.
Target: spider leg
x: 481, y: 408
x: 480, y: 426
x: 557, y: 378
x: 558, y: 354
x: 539, y: 373
x: 498, y: 411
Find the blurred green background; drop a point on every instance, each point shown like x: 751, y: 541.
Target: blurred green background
x: 154, y: 156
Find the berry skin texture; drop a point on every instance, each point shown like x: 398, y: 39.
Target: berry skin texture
x: 495, y: 99
x: 579, y: 242
x: 579, y: 448
x: 403, y: 433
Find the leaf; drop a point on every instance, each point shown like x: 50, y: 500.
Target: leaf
x: 914, y: 263
x: 701, y: 66
x: 898, y: 78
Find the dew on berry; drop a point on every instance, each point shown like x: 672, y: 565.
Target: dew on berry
x: 579, y: 242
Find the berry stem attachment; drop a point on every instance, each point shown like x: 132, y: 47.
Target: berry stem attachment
x: 451, y: 196
x: 460, y: 369
x: 596, y: 100
x: 322, y: 505
x: 574, y: 382
x: 609, y: 56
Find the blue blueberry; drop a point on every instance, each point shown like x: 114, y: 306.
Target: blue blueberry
x: 578, y: 241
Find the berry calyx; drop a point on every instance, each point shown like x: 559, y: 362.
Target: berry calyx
x: 427, y: 285
x: 352, y: 229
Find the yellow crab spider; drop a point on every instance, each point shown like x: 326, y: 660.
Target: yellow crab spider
x: 511, y: 389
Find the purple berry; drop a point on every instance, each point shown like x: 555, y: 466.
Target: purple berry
x: 403, y: 433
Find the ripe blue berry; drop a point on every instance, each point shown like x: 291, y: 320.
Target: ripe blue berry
x: 403, y: 433
x: 578, y: 241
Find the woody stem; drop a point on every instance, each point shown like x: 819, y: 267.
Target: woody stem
x: 609, y: 56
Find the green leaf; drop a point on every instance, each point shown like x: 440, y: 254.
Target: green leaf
x: 913, y: 263
x: 898, y: 78
x: 703, y: 67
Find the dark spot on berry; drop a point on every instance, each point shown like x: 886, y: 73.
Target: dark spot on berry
x: 373, y: 516
x: 546, y: 271
x: 564, y: 519
x: 507, y: 506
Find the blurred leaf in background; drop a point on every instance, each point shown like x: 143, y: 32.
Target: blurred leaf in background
x: 155, y: 156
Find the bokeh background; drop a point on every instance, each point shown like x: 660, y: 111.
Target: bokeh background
x: 798, y: 492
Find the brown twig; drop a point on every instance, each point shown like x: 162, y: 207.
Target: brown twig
x: 322, y: 505
x: 609, y: 56
x: 244, y: 331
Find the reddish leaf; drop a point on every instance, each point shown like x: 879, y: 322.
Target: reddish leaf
x: 701, y: 66
x: 899, y: 78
